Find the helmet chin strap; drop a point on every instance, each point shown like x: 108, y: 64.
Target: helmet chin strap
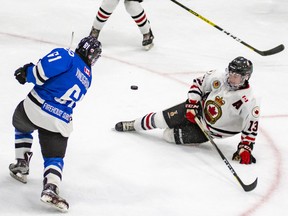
x: 233, y: 87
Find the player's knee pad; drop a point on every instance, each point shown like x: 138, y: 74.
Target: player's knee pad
x: 188, y: 134
x: 168, y: 135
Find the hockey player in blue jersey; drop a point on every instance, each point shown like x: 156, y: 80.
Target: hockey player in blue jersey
x: 61, y: 78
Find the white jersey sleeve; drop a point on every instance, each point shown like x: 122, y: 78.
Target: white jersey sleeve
x: 201, y: 86
x: 250, y: 113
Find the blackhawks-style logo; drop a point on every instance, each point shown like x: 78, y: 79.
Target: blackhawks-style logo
x: 212, y: 109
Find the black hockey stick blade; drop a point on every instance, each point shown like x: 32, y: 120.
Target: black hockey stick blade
x: 272, y: 51
x: 249, y: 187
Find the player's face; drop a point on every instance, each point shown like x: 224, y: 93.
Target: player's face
x: 235, y: 79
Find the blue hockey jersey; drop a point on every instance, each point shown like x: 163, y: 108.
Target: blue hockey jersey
x: 61, y: 79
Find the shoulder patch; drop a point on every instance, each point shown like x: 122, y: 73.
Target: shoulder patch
x: 256, y: 112
x: 216, y: 84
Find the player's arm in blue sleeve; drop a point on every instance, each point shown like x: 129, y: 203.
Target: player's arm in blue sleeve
x: 56, y: 62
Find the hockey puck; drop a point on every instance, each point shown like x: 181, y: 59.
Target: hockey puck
x: 134, y: 87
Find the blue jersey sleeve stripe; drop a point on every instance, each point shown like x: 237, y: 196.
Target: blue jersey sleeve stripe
x: 39, y: 74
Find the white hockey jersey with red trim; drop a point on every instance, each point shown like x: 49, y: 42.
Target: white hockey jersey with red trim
x: 226, y: 112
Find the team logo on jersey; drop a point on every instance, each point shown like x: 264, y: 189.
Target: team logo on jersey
x: 87, y: 71
x: 171, y: 114
x: 213, y: 110
x: 256, y: 112
x: 216, y: 84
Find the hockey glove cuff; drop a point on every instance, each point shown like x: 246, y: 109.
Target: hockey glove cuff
x: 192, y: 109
x: 20, y: 73
x: 243, y: 154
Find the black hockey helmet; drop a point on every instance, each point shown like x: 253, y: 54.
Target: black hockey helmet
x: 241, y: 66
x: 89, y: 49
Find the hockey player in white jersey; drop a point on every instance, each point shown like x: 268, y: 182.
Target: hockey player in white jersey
x: 223, y: 101
x: 136, y: 11
x: 61, y: 78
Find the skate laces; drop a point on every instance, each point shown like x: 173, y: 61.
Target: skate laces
x: 128, y: 126
x: 147, y: 38
x: 20, y: 167
x: 48, y: 188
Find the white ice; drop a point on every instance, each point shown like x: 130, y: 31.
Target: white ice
x: 110, y: 173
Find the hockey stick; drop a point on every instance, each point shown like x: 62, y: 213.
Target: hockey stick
x: 246, y: 188
x: 71, y: 41
x: 263, y: 53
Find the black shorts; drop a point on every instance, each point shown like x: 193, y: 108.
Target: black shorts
x: 52, y: 144
x: 185, y: 132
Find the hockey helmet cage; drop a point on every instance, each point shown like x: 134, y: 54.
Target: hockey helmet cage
x: 89, y: 49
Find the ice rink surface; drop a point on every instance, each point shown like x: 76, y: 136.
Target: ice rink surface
x: 108, y: 173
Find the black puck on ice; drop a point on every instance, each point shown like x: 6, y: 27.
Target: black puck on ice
x: 134, y: 87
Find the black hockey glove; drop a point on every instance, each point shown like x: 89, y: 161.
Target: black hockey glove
x: 20, y: 73
x: 243, y: 154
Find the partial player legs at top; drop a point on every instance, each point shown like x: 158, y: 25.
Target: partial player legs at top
x: 138, y: 14
x: 135, y: 10
x: 105, y: 11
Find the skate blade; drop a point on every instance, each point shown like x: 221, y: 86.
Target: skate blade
x: 19, y: 177
x: 60, y: 206
x: 148, y: 47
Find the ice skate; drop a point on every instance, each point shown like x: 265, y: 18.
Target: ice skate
x: 147, y: 42
x: 125, y: 126
x: 94, y: 32
x: 20, y: 170
x: 50, y: 196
